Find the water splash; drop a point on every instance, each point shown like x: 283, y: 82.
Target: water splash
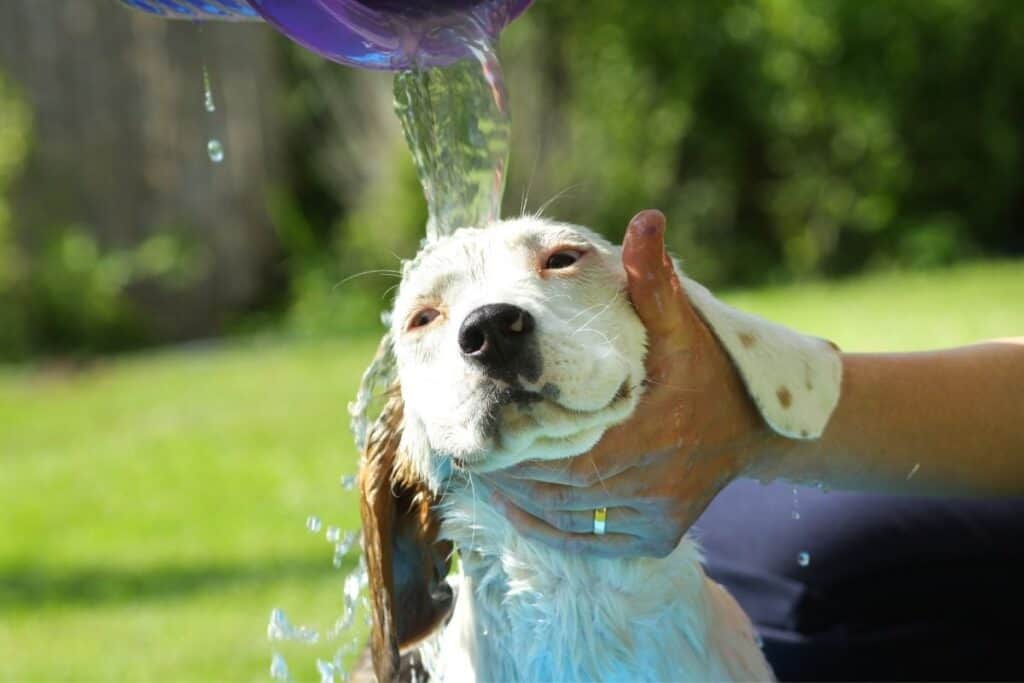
x: 803, y: 559
x: 342, y: 547
x: 279, y: 668
x: 326, y: 670
x: 377, y: 378
x: 313, y: 524
x: 353, y: 585
x: 348, y: 482
x: 280, y: 629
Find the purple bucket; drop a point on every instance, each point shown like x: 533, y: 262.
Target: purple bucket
x: 373, y: 34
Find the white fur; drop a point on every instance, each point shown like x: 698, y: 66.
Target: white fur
x: 526, y: 612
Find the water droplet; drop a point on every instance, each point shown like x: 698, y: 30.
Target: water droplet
x: 385, y: 318
x: 208, y: 102
x: 215, y: 149
x: 914, y: 470
x: 796, y: 514
x: 352, y: 588
x: 342, y: 623
x: 759, y: 640
x: 326, y: 671
x: 348, y: 482
x: 796, y: 504
x: 342, y: 548
x: 333, y: 534
x: 803, y: 559
x: 279, y: 629
x: 277, y: 625
x: 313, y: 524
x: 362, y: 574
x: 279, y: 668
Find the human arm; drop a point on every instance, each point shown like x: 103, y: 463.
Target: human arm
x: 935, y: 422
x: 957, y: 415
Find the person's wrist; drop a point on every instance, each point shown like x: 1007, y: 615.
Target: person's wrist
x: 768, y: 455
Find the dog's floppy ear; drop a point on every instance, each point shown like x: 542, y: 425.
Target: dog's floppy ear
x: 407, y: 564
x: 794, y: 379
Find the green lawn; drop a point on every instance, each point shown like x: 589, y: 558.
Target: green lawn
x: 152, y: 507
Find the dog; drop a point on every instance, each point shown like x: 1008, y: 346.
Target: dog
x: 518, y: 342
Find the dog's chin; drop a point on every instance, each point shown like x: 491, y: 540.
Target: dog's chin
x: 541, y: 428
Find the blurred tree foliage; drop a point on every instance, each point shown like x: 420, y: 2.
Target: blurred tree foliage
x: 15, y: 133
x: 785, y: 139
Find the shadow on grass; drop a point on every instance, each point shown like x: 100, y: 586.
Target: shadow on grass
x: 27, y: 587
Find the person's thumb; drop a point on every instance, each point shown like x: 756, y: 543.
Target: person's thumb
x: 654, y: 289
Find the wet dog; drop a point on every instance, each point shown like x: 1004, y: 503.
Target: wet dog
x: 518, y: 342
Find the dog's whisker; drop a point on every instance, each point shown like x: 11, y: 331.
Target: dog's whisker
x: 584, y: 311
x: 381, y: 271
x: 529, y: 185
x: 604, y: 309
x: 558, y: 195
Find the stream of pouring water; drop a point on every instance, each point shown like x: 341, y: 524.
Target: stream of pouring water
x: 457, y: 125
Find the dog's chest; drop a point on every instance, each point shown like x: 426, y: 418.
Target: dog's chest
x: 526, y: 612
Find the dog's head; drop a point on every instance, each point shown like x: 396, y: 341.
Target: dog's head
x: 514, y: 342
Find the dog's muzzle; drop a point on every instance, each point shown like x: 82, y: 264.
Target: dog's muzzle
x: 500, y: 339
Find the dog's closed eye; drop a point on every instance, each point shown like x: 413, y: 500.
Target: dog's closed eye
x: 423, y: 317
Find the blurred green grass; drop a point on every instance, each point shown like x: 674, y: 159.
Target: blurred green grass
x: 152, y: 506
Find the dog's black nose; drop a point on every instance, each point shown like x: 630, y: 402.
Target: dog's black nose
x: 497, y: 336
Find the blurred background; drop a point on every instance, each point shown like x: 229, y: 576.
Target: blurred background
x: 179, y: 338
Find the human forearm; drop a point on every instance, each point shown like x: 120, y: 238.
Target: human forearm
x: 947, y: 421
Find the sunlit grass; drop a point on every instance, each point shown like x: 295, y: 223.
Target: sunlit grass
x: 152, y: 506
x: 901, y: 311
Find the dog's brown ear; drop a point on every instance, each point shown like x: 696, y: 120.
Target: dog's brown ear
x: 407, y: 564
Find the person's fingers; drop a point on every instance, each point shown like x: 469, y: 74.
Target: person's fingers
x: 654, y: 288
x: 581, y: 471
x: 607, y: 545
x: 620, y: 520
x: 544, y: 496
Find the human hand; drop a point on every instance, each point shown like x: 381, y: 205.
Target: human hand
x: 694, y: 430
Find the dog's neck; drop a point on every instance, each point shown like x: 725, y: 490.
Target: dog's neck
x: 533, y: 612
